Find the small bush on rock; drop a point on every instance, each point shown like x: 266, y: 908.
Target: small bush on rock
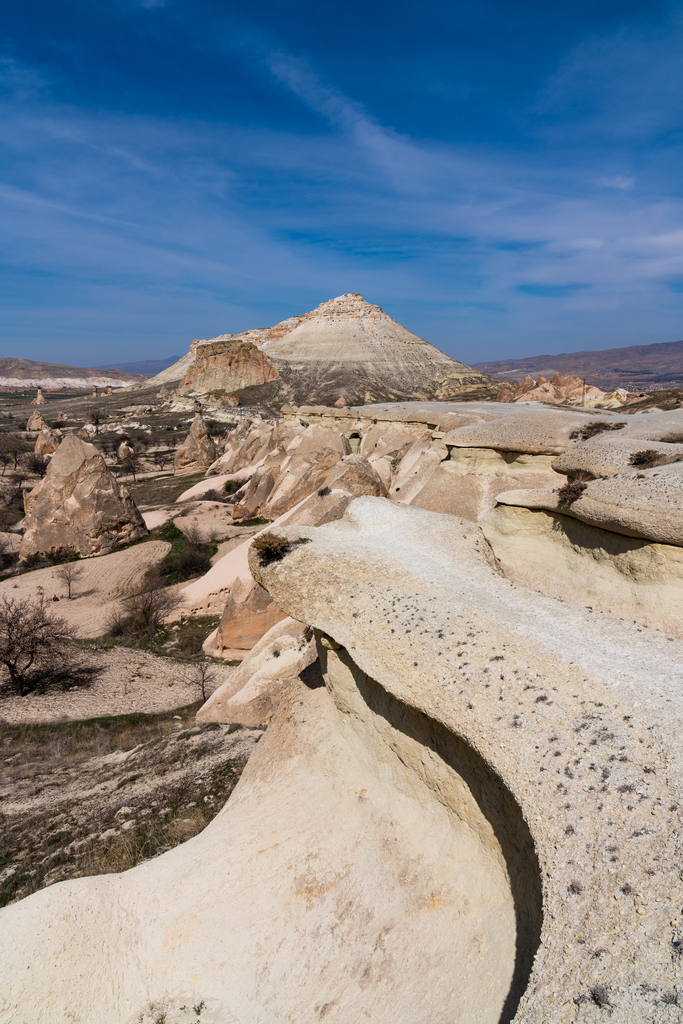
x: 270, y: 547
x: 568, y: 494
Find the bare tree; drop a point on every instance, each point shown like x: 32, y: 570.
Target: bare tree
x: 36, y: 463
x: 131, y: 464
x: 161, y: 459
x: 69, y: 573
x: 30, y: 635
x: 203, y: 677
x: 5, y: 461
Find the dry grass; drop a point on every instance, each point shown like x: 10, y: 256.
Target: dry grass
x: 85, y: 798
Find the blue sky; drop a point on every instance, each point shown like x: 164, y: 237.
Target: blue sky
x: 504, y: 178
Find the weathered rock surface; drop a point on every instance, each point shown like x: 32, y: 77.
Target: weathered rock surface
x: 645, y: 504
x: 229, y: 364
x: 344, y: 351
x: 47, y: 442
x: 566, y: 558
x: 248, y: 614
x: 79, y: 504
x: 290, y: 472
x: 197, y: 451
x: 610, y: 453
x: 36, y: 422
x: 251, y: 696
x: 428, y: 838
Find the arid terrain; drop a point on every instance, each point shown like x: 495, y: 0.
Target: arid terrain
x: 363, y: 710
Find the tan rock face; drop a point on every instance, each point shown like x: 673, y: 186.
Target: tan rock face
x: 36, y: 422
x: 290, y: 473
x: 39, y: 399
x: 230, y: 363
x: 47, y: 442
x: 355, y: 476
x: 251, y: 696
x: 249, y: 613
x: 197, y: 451
x: 124, y: 451
x: 79, y: 504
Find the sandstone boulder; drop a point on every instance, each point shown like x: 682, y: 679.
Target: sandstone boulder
x: 230, y: 363
x: 251, y: 695
x: 197, y: 451
x: 62, y: 417
x: 39, y: 399
x: 36, y: 422
x: 249, y: 613
x: 47, y: 442
x: 124, y: 451
x: 78, y: 504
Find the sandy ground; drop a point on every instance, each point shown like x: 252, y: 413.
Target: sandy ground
x: 115, y: 682
x: 105, y: 580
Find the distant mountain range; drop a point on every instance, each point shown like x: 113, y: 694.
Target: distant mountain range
x: 636, y: 368
x: 19, y: 374
x: 145, y: 367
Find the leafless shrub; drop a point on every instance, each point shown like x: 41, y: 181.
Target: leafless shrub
x: 204, y: 676
x: 589, y: 430
x: 30, y: 635
x: 270, y: 547
x: 36, y: 463
x: 142, y: 614
x: 193, y: 535
x: 323, y: 492
x: 96, y: 417
x: 69, y: 573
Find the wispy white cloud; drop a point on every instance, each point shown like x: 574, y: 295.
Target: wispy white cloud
x: 176, y: 229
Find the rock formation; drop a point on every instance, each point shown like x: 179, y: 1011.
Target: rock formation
x: 228, y: 364
x: 482, y: 796
x: 563, y: 389
x: 197, y: 451
x: 36, y: 422
x: 39, y: 399
x: 343, y: 352
x: 78, y: 504
x: 48, y: 441
x: 611, y: 535
x: 252, y: 695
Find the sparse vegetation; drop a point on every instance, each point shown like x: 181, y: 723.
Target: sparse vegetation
x: 142, y: 614
x: 270, y: 547
x: 570, y: 492
x: 589, y: 430
x: 31, y: 637
x: 69, y: 573
x: 600, y: 996
x: 323, y: 492
x: 175, y: 781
